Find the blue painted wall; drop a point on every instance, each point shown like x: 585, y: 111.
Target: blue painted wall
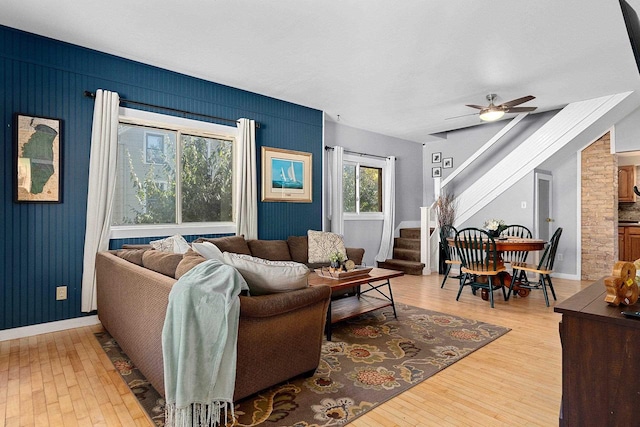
x: 42, y: 244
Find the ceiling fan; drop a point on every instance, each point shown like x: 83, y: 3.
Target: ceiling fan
x: 494, y: 112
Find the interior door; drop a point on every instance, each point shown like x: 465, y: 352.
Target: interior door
x: 543, y: 215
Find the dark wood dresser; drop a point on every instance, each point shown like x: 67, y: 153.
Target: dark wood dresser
x: 600, y: 361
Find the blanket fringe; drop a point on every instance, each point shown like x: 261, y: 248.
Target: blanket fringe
x: 198, y: 414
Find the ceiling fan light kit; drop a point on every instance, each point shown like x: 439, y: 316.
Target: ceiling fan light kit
x: 491, y: 114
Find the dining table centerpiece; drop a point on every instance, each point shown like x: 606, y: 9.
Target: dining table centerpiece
x: 494, y: 227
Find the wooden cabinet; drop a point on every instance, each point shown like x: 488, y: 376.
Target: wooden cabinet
x: 600, y: 368
x: 629, y: 243
x: 626, y: 181
x: 632, y: 240
x: 621, y: 244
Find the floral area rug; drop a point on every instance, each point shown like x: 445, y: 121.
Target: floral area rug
x: 370, y: 359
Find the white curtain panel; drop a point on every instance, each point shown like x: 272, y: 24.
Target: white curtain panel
x: 389, y: 210
x: 102, y: 181
x: 336, y: 158
x: 246, y: 185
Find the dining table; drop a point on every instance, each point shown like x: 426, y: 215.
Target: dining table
x: 508, y: 244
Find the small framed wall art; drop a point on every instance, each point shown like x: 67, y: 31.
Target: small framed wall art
x: 436, y: 157
x: 447, y: 162
x: 286, y: 175
x: 37, y: 163
x: 436, y: 172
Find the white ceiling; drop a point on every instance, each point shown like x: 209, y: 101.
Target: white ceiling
x: 395, y: 68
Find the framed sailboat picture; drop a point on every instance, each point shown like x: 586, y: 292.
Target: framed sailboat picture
x: 286, y: 175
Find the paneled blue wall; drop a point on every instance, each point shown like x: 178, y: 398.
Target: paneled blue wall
x: 42, y: 244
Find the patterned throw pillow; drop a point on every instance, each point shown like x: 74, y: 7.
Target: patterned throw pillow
x: 176, y: 244
x: 322, y: 244
x: 268, y: 277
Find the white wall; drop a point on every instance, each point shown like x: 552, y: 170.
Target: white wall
x: 461, y: 144
x: 409, y: 176
x: 627, y: 136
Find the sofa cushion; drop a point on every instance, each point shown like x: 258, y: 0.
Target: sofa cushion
x: 132, y: 255
x: 322, y: 244
x: 235, y: 244
x: 274, y: 250
x: 176, y: 244
x: 268, y: 277
x: 208, y: 250
x: 162, y: 262
x: 298, y: 248
x: 189, y: 260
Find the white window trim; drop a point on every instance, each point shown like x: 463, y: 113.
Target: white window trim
x: 145, y: 118
x: 366, y: 162
x: 146, y: 147
x: 161, y: 230
x: 363, y: 216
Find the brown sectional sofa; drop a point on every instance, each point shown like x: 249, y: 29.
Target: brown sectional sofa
x: 295, y: 248
x: 279, y: 337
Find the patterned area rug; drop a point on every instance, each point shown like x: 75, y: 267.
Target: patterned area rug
x: 370, y: 359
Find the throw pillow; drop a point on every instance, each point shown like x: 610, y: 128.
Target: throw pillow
x: 187, y: 263
x: 207, y: 250
x: 322, y: 244
x: 274, y: 250
x: 235, y: 244
x: 132, y: 255
x: 175, y: 244
x: 299, y: 248
x: 162, y: 262
x: 268, y: 277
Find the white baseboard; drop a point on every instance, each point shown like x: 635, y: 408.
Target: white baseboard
x: 45, y: 328
x: 565, y: 276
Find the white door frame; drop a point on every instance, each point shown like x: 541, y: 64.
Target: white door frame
x: 542, y: 176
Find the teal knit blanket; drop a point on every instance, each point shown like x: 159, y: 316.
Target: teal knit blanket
x: 199, y: 341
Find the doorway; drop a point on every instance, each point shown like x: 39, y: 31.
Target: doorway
x: 543, y: 202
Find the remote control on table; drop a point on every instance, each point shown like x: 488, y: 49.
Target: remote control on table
x: 635, y: 314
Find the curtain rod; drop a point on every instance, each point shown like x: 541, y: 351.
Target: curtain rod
x: 326, y: 147
x: 89, y: 94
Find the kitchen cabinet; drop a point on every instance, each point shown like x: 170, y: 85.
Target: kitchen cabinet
x: 629, y: 243
x: 626, y: 182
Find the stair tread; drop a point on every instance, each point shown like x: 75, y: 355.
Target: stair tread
x: 406, y: 254
x: 403, y: 262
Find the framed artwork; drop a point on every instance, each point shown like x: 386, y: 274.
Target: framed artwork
x: 436, y: 172
x: 436, y: 157
x: 286, y: 175
x: 37, y: 159
x: 447, y: 162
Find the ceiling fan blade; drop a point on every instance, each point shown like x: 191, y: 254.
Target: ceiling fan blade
x: 464, y: 115
x: 520, y: 109
x: 479, y: 107
x: 518, y: 101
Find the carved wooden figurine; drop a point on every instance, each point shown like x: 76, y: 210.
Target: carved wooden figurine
x: 622, y: 287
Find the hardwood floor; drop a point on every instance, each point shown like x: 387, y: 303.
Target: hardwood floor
x: 65, y: 379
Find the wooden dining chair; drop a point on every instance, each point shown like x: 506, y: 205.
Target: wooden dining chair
x: 478, y: 255
x: 518, y: 232
x: 543, y: 269
x: 449, y: 252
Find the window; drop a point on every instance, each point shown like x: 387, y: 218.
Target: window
x: 177, y: 175
x: 362, y: 186
x: 154, y: 148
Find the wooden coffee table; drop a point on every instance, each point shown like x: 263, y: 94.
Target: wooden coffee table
x: 351, y: 306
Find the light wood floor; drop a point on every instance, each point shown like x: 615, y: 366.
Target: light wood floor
x: 65, y: 379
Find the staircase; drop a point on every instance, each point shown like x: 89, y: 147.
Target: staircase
x: 406, y: 253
